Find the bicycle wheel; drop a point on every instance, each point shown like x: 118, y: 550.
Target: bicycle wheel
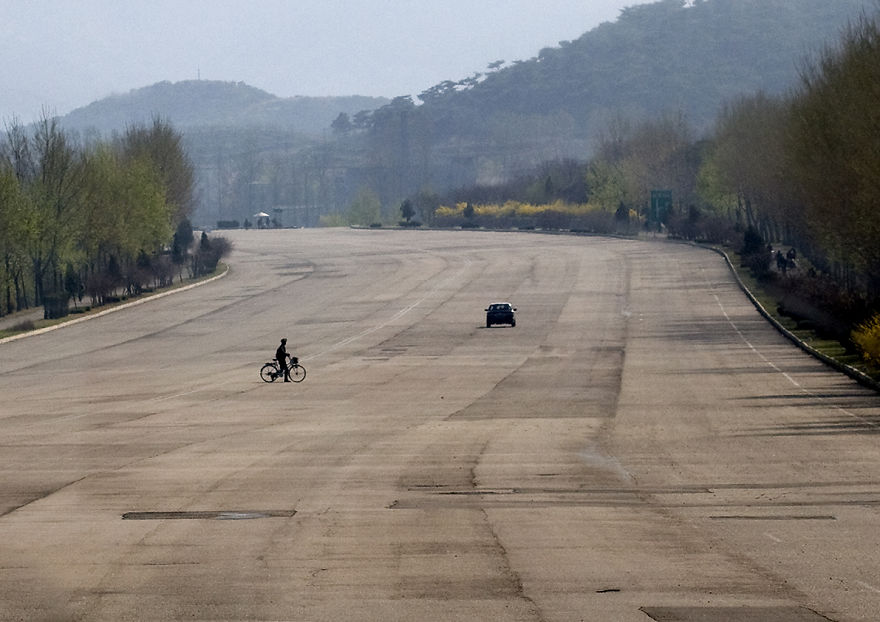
x: 297, y: 373
x: 269, y: 372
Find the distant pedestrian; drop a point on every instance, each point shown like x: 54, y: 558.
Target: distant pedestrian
x: 790, y: 257
x: 781, y: 262
x: 281, y: 356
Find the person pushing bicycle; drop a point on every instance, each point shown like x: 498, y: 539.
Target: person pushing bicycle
x: 284, y: 365
x: 281, y: 356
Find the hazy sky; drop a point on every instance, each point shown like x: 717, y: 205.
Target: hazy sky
x: 63, y: 54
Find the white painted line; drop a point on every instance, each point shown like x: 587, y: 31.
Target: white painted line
x: 171, y: 397
x: 772, y: 537
x: 794, y: 382
x: 868, y: 587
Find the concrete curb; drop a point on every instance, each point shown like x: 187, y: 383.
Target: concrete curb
x: 126, y: 305
x: 860, y: 377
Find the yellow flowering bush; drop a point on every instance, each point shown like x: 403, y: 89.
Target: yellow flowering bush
x: 556, y: 216
x: 444, y: 211
x: 867, y: 338
x: 516, y: 208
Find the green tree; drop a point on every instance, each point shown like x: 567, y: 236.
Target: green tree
x: 633, y: 160
x: 180, y: 244
x: 607, y: 184
x: 209, y: 253
x: 834, y: 143
x: 750, y: 161
x: 407, y: 211
x: 52, y: 187
x: 365, y: 209
x: 126, y: 215
x: 162, y: 146
x: 13, y: 260
x: 425, y: 203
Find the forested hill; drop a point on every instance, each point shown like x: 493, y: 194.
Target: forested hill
x: 667, y: 56
x: 207, y: 103
x: 672, y: 56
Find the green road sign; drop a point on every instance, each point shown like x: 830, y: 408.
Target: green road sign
x: 661, y: 203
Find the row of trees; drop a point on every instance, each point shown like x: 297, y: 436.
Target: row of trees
x: 92, y: 219
x: 803, y: 168
x: 799, y: 168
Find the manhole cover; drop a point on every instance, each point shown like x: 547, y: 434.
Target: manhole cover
x: 209, y: 515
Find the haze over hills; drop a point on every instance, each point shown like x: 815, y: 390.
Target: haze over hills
x: 254, y: 151
x: 207, y: 103
x: 669, y: 56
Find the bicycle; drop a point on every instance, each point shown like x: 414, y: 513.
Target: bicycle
x: 271, y: 371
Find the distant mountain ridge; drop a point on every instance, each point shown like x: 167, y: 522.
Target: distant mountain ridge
x: 211, y: 103
x: 661, y: 57
x: 257, y: 152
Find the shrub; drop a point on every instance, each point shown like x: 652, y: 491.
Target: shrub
x: 759, y: 264
x: 332, y: 220
x: 752, y: 242
x: 755, y: 255
x: 717, y: 230
x: 551, y: 219
x: 596, y: 221
x: 867, y: 338
x: 209, y: 254
x: 55, y: 305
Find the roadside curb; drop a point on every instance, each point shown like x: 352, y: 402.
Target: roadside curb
x: 860, y: 377
x: 126, y: 305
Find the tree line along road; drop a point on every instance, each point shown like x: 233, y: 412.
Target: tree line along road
x: 641, y: 446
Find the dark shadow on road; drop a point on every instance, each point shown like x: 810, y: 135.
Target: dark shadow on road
x: 863, y: 425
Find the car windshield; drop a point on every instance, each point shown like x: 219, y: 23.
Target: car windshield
x: 499, y: 308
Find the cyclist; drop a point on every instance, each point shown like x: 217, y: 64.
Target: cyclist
x: 281, y: 356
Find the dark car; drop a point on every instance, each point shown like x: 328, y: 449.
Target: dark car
x: 500, y: 313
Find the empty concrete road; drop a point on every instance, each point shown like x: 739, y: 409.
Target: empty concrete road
x: 641, y: 446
